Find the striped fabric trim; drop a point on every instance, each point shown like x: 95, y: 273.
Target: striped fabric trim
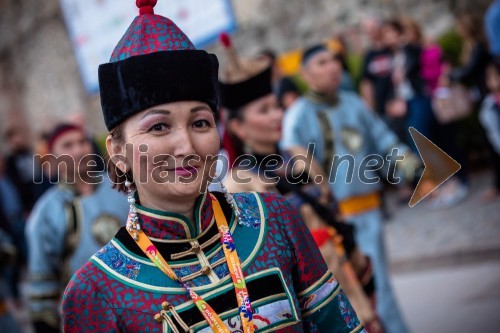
x: 328, y: 275
x: 312, y: 302
x: 267, y: 318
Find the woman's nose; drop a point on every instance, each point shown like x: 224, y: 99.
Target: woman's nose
x: 183, y: 143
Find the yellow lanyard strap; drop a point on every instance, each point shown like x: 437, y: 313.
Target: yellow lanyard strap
x: 234, y: 265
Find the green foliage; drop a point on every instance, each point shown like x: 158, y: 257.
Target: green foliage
x: 355, y: 65
x: 451, y: 44
x: 301, y: 84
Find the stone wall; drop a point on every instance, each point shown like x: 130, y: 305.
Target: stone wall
x: 39, y: 79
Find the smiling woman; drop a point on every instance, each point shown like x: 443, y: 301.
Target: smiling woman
x: 190, y: 260
x: 174, y: 148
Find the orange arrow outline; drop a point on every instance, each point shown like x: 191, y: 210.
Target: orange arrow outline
x: 439, y: 167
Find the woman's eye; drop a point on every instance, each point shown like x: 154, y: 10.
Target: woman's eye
x: 158, y: 127
x: 201, y: 123
x: 264, y: 109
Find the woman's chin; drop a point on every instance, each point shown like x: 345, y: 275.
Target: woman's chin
x: 183, y: 188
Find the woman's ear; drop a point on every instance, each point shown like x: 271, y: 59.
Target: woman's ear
x: 116, y: 154
x: 237, y: 127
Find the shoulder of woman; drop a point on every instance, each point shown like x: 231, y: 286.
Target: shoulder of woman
x: 273, y: 199
x: 267, y: 198
x: 84, y: 281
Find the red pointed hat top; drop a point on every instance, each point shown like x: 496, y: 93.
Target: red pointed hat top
x: 225, y: 39
x: 150, y: 33
x: 145, y: 6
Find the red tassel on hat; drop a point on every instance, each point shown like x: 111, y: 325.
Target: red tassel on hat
x: 225, y: 40
x: 233, y: 58
x: 145, y: 6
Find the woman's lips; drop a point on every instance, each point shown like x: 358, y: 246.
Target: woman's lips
x: 185, y: 171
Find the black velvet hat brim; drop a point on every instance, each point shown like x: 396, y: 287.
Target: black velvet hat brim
x: 141, y: 82
x: 236, y: 95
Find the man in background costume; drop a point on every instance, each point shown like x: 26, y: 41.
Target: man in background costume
x: 69, y: 223
x: 340, y: 124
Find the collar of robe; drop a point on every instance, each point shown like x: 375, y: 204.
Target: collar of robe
x: 172, y: 226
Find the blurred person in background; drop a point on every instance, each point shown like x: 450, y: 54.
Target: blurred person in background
x: 255, y: 123
x: 270, y: 55
x: 7, y: 260
x: 338, y: 46
x: 287, y: 92
x: 475, y: 56
x: 472, y: 74
x: 421, y: 115
x: 339, y: 123
x: 430, y: 57
x: 401, y: 96
x: 492, y: 27
x: 376, y: 82
x: 409, y: 82
x: 69, y: 223
x: 255, y: 119
x: 80, y: 120
x: 376, y: 62
x: 20, y: 168
x: 370, y: 27
x: 21, y: 172
x: 490, y: 119
x: 42, y: 152
x: 13, y: 225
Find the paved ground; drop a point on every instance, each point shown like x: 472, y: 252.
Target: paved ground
x: 446, y: 263
x: 420, y: 237
x: 451, y: 299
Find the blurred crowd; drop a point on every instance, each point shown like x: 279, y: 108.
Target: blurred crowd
x: 405, y: 79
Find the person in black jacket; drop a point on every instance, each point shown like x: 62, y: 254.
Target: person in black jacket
x: 399, y: 90
x: 475, y: 55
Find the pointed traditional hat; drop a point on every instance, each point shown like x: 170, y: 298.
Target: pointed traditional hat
x: 155, y: 63
x: 245, y: 80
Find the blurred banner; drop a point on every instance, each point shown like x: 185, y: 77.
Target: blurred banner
x: 96, y: 26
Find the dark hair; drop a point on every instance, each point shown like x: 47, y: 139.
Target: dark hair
x: 233, y: 146
x: 311, y: 51
x: 472, y: 23
x: 410, y: 24
x: 395, y: 24
x: 234, y: 113
x: 286, y: 85
x: 10, y: 132
x: 59, y: 130
x: 231, y: 142
x: 117, y: 177
x: 495, y: 64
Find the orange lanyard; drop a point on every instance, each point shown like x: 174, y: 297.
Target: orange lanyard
x: 233, y: 263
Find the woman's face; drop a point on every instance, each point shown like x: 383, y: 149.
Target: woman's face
x: 261, y: 122
x: 171, y: 149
